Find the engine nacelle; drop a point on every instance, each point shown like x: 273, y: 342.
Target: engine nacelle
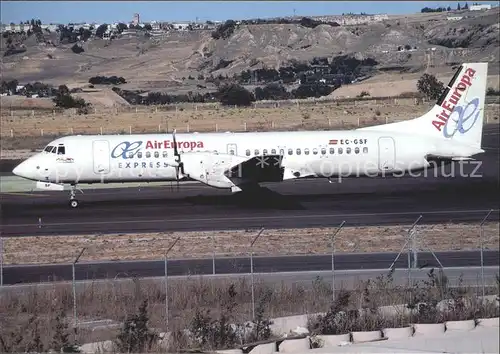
x: 209, y: 167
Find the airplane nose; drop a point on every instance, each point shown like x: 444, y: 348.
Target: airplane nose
x: 22, y: 170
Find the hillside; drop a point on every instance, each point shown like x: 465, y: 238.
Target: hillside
x: 166, y: 62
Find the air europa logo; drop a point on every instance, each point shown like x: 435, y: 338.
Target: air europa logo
x: 129, y: 149
x: 450, y: 105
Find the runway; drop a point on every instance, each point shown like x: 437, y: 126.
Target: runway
x: 20, y: 274
x: 467, y: 196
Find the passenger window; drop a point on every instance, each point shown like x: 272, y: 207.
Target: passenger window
x: 298, y: 151
x: 165, y: 154
x: 332, y: 151
x: 148, y: 154
x: 273, y: 151
x: 157, y: 154
x: 356, y: 150
x: 256, y: 152
x: 139, y: 155
x: 282, y: 152
x: 348, y: 150
x: 340, y: 151
x: 365, y: 150
x: 61, y: 150
x: 248, y: 152
x: 264, y: 152
x: 130, y: 155
x: 315, y: 151
x: 323, y: 151
x: 306, y: 151
x: 290, y: 151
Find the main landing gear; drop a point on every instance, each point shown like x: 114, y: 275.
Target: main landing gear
x: 73, y: 202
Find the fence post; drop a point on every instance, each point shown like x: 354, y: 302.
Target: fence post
x: 101, y: 130
x: 333, y: 258
x: 1, y: 260
x: 481, y: 242
x: 251, y: 272
x: 41, y: 132
x: 245, y: 126
x: 130, y: 129
x: 73, y: 266
x: 11, y: 133
x: 216, y: 127
x: 166, y: 282
x: 187, y: 127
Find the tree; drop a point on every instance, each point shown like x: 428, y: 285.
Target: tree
x: 430, y: 87
x: 135, y: 335
x: 99, y: 32
x: 234, y: 94
x: 121, y: 27
x: 63, y: 99
x: 60, y: 342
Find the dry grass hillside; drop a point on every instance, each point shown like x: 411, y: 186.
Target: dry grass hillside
x: 163, y: 62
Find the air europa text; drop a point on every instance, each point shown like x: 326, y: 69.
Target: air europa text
x: 450, y: 104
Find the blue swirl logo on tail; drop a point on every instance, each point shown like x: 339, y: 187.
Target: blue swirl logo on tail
x: 462, y: 119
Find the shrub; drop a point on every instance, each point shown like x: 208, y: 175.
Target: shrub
x: 313, y: 90
x: 103, y: 80
x: 77, y: 49
x: 235, y: 95
x: 135, y: 336
x: 430, y: 87
x: 492, y: 92
x: 272, y: 92
x: 225, y: 30
x: 63, y: 99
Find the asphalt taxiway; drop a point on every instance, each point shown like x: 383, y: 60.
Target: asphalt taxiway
x: 18, y: 274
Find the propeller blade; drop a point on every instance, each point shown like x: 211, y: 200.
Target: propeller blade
x: 176, y: 152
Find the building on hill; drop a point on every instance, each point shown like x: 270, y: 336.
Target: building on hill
x: 479, y: 7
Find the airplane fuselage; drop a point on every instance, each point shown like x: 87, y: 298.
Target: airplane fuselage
x: 149, y: 157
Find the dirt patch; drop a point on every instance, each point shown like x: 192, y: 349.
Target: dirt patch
x: 56, y: 249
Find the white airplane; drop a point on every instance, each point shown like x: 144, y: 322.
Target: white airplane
x: 451, y: 130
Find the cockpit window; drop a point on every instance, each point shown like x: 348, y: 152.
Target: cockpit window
x: 61, y: 150
x: 48, y: 148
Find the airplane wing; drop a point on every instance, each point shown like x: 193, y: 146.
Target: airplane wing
x: 228, y: 171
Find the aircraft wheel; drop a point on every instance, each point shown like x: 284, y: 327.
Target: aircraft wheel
x: 73, y: 203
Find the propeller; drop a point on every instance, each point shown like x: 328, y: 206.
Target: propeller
x: 179, y: 165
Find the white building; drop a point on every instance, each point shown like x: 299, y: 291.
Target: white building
x: 480, y: 7
x: 454, y: 18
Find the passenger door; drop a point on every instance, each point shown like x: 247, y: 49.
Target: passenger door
x: 101, y: 156
x: 386, y: 154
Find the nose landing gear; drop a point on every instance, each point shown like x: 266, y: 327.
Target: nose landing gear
x: 73, y: 202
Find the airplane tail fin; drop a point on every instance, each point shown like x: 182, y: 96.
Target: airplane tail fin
x: 458, y: 113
